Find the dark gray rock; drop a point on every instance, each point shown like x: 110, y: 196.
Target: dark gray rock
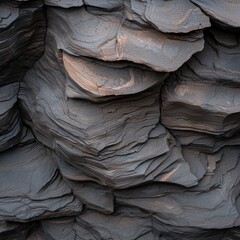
x: 126, y: 223
x: 224, y: 11
x: 14, y: 231
x: 10, y: 129
x: 167, y: 16
x: 131, y: 149
x: 22, y: 31
x: 206, y: 90
x: 127, y: 127
x: 105, y: 36
x: 214, y: 198
x: 37, y: 190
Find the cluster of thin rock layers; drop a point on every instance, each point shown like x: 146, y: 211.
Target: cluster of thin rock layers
x: 120, y: 119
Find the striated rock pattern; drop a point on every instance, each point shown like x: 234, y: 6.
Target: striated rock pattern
x: 120, y: 120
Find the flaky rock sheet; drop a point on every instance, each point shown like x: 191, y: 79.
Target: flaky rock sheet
x: 119, y: 120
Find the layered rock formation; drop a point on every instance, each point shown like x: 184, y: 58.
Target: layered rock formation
x: 120, y: 120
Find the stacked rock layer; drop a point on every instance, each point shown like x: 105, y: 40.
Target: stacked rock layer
x: 120, y: 120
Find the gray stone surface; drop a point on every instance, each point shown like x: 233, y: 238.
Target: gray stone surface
x: 106, y: 36
x: 119, y: 153
x: 224, y: 11
x: 208, y: 101
x: 32, y: 186
x: 119, y: 120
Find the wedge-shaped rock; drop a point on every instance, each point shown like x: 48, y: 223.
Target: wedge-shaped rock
x: 31, y: 185
x: 215, y: 201
x: 224, y: 11
x: 22, y: 32
x: 10, y: 129
x: 103, y: 35
x: 119, y: 143
x: 206, y: 90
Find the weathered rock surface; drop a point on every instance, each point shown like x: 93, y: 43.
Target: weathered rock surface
x: 224, y: 11
x: 152, y: 153
x: 120, y: 119
x: 207, y: 101
x: 107, y: 37
x: 37, y: 190
x: 10, y: 129
x: 22, y: 31
x: 125, y: 223
x: 166, y: 16
x: 215, y: 195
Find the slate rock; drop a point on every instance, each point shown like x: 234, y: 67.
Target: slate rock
x: 93, y: 196
x: 11, y: 124
x: 37, y: 190
x: 215, y: 198
x: 14, y: 231
x: 22, y: 32
x: 167, y: 16
x: 124, y: 224
x: 224, y: 11
x: 103, y: 36
x: 118, y: 143
x: 206, y: 89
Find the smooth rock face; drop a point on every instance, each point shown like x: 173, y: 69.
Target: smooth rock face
x: 120, y: 119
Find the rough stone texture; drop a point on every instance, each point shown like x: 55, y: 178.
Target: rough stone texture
x: 120, y: 120
x: 224, y: 11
